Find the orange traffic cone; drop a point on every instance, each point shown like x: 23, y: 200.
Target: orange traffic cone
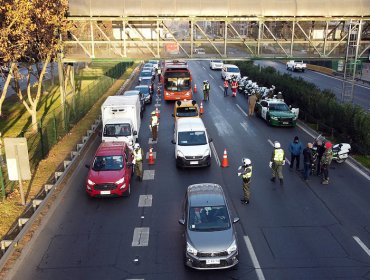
x: 151, y: 157
x: 157, y: 112
x: 201, y: 111
x: 225, y: 161
x: 195, y: 88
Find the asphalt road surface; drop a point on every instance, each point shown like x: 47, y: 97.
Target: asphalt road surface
x: 298, y: 231
x: 361, y: 92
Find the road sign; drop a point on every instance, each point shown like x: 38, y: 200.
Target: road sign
x: 17, y: 160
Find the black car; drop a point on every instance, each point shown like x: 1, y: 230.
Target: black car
x: 142, y: 99
x: 147, y: 81
x: 146, y: 73
x: 145, y: 90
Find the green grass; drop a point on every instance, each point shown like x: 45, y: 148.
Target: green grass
x: 364, y: 160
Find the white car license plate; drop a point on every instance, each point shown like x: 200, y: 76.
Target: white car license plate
x: 194, y: 162
x: 285, y: 122
x: 213, y: 261
x: 104, y: 192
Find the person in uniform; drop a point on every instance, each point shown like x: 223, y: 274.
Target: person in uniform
x: 138, y: 161
x: 246, y: 174
x: 154, y: 126
x: 277, y: 162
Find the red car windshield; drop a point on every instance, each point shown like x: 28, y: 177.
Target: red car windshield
x: 107, y: 163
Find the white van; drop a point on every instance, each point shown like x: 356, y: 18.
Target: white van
x: 191, y: 143
x: 230, y: 70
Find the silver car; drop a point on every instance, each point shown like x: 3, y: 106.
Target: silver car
x: 210, y: 238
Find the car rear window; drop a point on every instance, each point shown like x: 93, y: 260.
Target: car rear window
x: 186, y: 112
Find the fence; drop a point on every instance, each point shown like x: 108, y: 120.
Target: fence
x: 57, y: 123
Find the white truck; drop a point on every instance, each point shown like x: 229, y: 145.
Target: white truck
x: 295, y: 65
x: 121, y: 119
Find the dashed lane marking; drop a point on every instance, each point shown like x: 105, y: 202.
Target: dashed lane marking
x: 150, y: 141
x: 255, y: 262
x: 145, y: 200
x: 203, y: 67
x: 215, y: 153
x: 211, y: 76
x: 141, y: 237
x: 241, y: 110
x: 362, y: 245
x: 148, y: 175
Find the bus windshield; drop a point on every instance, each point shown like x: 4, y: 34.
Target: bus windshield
x: 177, y: 84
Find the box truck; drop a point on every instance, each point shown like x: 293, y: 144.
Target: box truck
x: 121, y: 119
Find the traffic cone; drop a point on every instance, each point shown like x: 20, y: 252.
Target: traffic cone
x: 225, y: 161
x: 157, y: 112
x: 151, y: 157
x: 201, y: 111
x: 195, y: 88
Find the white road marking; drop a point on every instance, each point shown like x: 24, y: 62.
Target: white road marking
x: 338, y: 79
x: 240, y: 108
x: 347, y: 162
x: 362, y: 245
x: 141, y: 237
x: 211, y: 76
x: 247, y: 128
x: 215, y: 153
x: 148, y: 175
x: 221, y: 88
x: 256, y: 264
x: 203, y: 67
x: 145, y: 200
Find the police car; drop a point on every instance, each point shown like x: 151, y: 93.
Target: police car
x: 276, y: 112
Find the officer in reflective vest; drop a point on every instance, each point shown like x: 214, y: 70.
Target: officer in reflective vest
x: 226, y: 87
x: 154, y: 126
x: 138, y: 161
x: 246, y: 175
x: 206, y: 88
x: 159, y: 72
x: 277, y: 162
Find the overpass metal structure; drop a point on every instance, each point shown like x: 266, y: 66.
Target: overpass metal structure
x: 224, y: 29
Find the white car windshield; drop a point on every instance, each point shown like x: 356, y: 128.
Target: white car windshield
x: 192, y: 138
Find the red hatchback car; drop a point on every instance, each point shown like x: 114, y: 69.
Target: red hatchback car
x: 111, y: 170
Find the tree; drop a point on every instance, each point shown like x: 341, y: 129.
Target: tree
x: 41, y: 22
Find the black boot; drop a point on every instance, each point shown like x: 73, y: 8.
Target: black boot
x: 281, y: 182
x: 272, y: 179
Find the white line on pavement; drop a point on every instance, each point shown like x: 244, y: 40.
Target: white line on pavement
x: 141, y: 237
x: 204, y: 68
x: 211, y: 76
x: 347, y: 162
x: 215, y: 153
x: 362, y: 245
x: 145, y: 200
x: 240, y: 108
x: 256, y: 264
x: 221, y: 88
x: 338, y: 79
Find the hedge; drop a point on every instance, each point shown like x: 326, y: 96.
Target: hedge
x: 345, y: 122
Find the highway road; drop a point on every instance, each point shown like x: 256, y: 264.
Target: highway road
x: 303, y: 230
x: 361, y: 92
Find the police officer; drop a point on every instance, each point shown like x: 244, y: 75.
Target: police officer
x: 325, y: 162
x: 226, y: 87
x: 138, y: 161
x: 246, y: 174
x: 277, y: 162
x: 159, y: 72
x: 206, y: 88
x: 154, y: 126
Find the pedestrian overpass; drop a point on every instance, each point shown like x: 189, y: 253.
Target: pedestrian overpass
x: 223, y: 29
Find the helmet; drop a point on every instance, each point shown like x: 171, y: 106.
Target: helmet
x: 246, y: 161
x: 205, y: 81
x: 273, y: 86
x: 137, y: 146
x: 328, y: 145
x: 153, y: 113
x: 277, y: 145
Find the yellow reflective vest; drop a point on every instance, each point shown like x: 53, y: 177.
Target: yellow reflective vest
x: 247, y: 173
x: 138, y: 154
x: 278, y: 155
x: 154, y: 120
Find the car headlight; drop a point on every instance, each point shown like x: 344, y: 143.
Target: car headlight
x: 88, y: 187
x: 91, y: 183
x: 122, y: 187
x: 180, y: 154
x: 233, y: 247
x: 120, y: 181
x: 274, y: 118
x: 206, y: 153
x: 190, y: 249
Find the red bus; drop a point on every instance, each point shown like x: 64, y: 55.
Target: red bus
x: 176, y: 81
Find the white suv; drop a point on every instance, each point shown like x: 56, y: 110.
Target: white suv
x: 216, y: 64
x: 230, y: 70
